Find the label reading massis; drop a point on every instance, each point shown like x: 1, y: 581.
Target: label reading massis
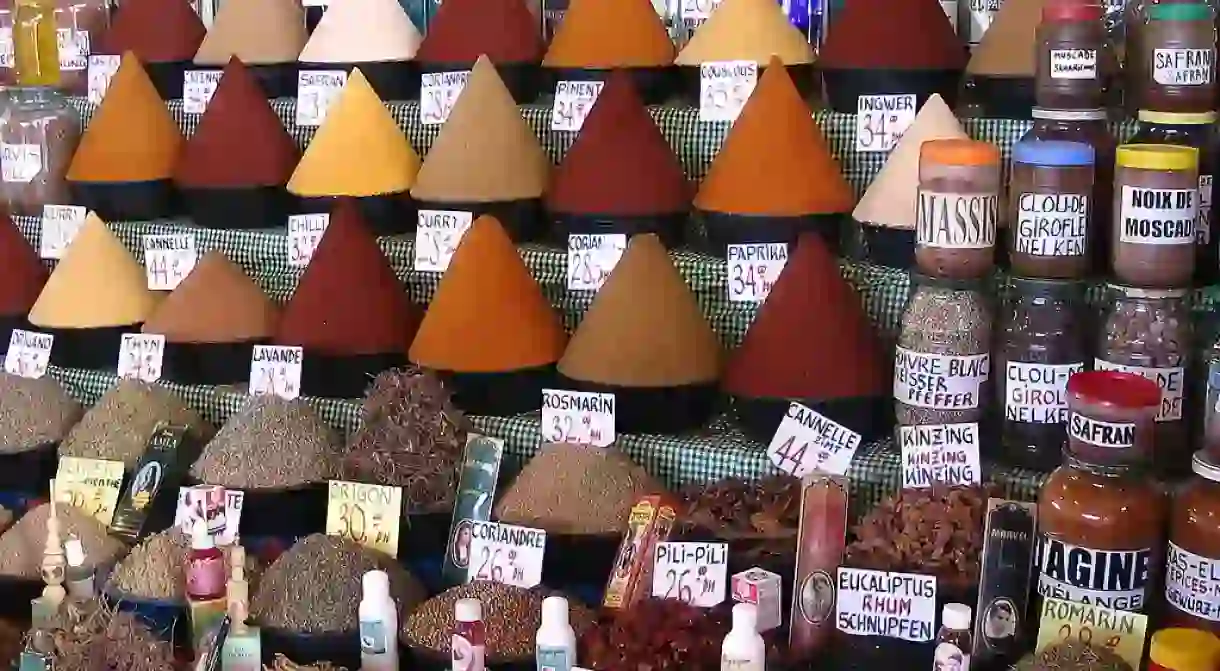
x: 1172, y: 382
x: 1158, y: 216
x: 940, y: 381
x: 1102, y: 434
x: 1052, y: 224
x: 1073, y: 64
x: 1182, y: 67
x: 1116, y: 579
x: 1192, y: 583
x: 956, y: 220
x: 1036, y: 393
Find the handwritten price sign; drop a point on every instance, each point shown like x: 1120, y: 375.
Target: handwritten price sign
x: 724, y: 87
x: 695, y: 12
x: 198, y: 87
x: 437, y: 235
x: 578, y: 417
x: 141, y: 356
x: 168, y: 259
x: 695, y: 573
x: 305, y: 231
x: 591, y: 258
x: 806, y: 441
x: 316, y: 91
x: 276, y: 370
x: 754, y: 269
x: 882, y: 119
x: 1121, y: 631
x: 29, y: 354
x: 438, y: 92
x: 91, y: 485
x: 101, y: 70
x: 506, y: 554
x: 573, y: 100
x: 59, y: 224
x: 365, y: 514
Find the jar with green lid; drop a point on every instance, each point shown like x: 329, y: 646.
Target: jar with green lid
x: 1156, y: 203
x: 1178, y: 59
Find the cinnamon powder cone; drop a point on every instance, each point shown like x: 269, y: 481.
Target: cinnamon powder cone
x: 216, y: 303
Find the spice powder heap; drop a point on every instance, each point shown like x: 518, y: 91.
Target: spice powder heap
x: 131, y: 137
x: 36, y: 412
x: 610, y: 34
x: 158, y: 31
x: 774, y: 160
x: 915, y: 35
x: 362, y: 31
x: 485, y: 152
x: 505, y: 31
x: 621, y: 163
x: 216, y: 303
x: 373, y: 315
x: 118, y: 427
x: 644, y: 328
x: 1008, y: 47
x: 22, y: 275
x: 21, y: 546
x: 240, y: 140
x: 259, y: 32
x: 747, y: 30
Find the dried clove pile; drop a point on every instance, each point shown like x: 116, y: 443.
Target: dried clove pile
x: 736, y: 508
x: 410, y: 436
x: 118, y: 427
x: 657, y: 634
x: 574, y: 489
x: 270, y: 443
x: 1070, y: 655
x: 35, y: 412
x: 91, y: 636
x: 156, y: 568
x: 22, y: 545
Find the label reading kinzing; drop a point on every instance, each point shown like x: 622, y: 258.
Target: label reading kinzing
x: 1052, y: 224
x: 1115, y: 579
x: 1192, y: 583
x: 1158, y: 216
x: 940, y: 381
x: 1115, y: 435
x: 1036, y: 393
x: 956, y: 220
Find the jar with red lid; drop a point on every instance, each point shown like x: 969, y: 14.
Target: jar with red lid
x: 1176, y: 72
x: 1111, y: 417
x: 957, y: 210
x: 1074, y: 58
x: 1192, y: 558
x: 1182, y: 649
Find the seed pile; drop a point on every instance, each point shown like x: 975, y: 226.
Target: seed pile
x: 270, y: 444
x: 410, y: 436
x: 573, y: 489
x: 512, y: 615
x: 34, y: 412
x: 156, y: 568
x: 315, y: 587
x: 21, y: 546
x: 118, y: 427
x: 282, y: 663
x: 92, y: 636
x: 1073, y: 656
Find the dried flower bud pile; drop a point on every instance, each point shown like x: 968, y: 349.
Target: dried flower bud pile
x: 35, y: 412
x: 118, y: 427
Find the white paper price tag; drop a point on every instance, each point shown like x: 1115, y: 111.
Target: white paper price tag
x: 591, y: 258
x: 438, y: 91
x: 506, y: 554
x: 168, y: 259
x: 59, y: 226
x: 73, y: 49
x: 6, y: 47
x: 697, y: 11
x: 190, y: 509
x: 198, y: 86
x: 696, y: 573
x: 871, y: 603
x: 437, y: 235
x: 578, y: 417
x: 316, y: 90
x: 20, y: 163
x: 275, y: 369
x: 573, y: 100
x: 304, y: 233
x: 807, y: 441
x: 140, y: 356
x: 29, y: 354
x: 101, y: 69
x: 754, y: 269
x: 940, y: 454
x: 882, y: 119
x: 724, y: 88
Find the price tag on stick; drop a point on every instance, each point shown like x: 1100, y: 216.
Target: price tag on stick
x: 29, y: 353
x: 276, y: 370
x: 141, y: 356
x: 506, y: 554
x: 438, y: 91
x: 365, y: 514
x: 696, y: 573
x: 305, y: 231
x: 316, y: 91
x: 573, y: 100
x: 92, y: 485
x: 807, y: 441
x: 437, y: 236
x: 724, y: 87
x: 579, y: 417
x: 591, y: 258
x: 59, y: 226
x: 168, y: 259
x: 882, y: 119
x: 754, y: 269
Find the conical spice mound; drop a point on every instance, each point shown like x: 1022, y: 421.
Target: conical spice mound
x: 811, y: 338
x: 506, y: 31
x: 610, y: 34
x: 1008, y: 48
x: 644, y: 328
x: 747, y: 30
x: 915, y: 35
x: 620, y: 163
x: 158, y: 31
x: 22, y: 274
x: 259, y: 32
x: 488, y: 294
x: 216, y: 303
x: 240, y: 140
x: 362, y: 31
x: 775, y: 160
x: 485, y: 152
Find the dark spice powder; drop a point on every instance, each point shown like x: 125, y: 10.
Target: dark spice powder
x: 21, y: 272
x: 915, y: 35
x: 158, y: 31
x: 506, y: 31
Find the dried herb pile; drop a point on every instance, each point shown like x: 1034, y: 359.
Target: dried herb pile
x: 92, y: 636
x: 35, y: 412
x: 1073, y: 656
x: 156, y: 568
x: 12, y: 642
x: 410, y: 436
x: 22, y: 545
x: 118, y: 427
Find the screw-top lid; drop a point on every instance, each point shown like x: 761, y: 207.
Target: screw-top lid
x: 959, y: 152
x: 1072, y: 11
x: 1177, y: 118
x: 1205, y: 466
x: 74, y: 552
x: 1110, y: 387
x: 745, y: 616
x: 1051, y: 114
x: 1157, y: 156
x: 1180, y: 11
x: 200, y: 538
x: 1053, y: 153
x: 554, y: 611
x: 1181, y: 648
x: 375, y: 583
x: 1113, y: 289
x: 956, y: 616
x: 468, y: 610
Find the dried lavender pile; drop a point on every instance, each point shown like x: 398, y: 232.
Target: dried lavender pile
x: 34, y: 413
x: 91, y: 636
x: 270, y: 444
x: 22, y: 545
x: 156, y: 568
x: 410, y: 436
x: 573, y: 489
x: 512, y: 615
x: 1073, y: 656
x: 314, y: 587
x: 118, y: 427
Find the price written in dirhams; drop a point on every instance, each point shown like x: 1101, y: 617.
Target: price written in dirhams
x: 807, y: 441
x: 583, y: 418
x: 59, y: 226
x: 506, y: 554
x: 91, y: 485
x: 695, y: 573
x: 316, y: 91
x: 304, y: 233
x: 754, y: 269
x: 1121, y: 631
x: 198, y: 87
x: 168, y: 259
x: 276, y: 370
x: 438, y: 92
x: 141, y: 356
x: 365, y: 514
x: 29, y: 354
x: 695, y: 12
x: 724, y: 87
x: 573, y: 100
x: 881, y: 121
x: 592, y: 257
x: 101, y: 71
x: 939, y: 454
x: 437, y: 235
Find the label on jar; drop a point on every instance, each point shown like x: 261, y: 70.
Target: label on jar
x: 6, y: 47
x: 1052, y: 224
x: 1182, y: 67
x: 1172, y: 382
x: 73, y: 49
x: 1115, y: 579
x: 939, y: 381
x: 1158, y: 216
x: 1036, y: 393
x: 20, y: 163
x: 1115, y: 435
x: 1203, y: 223
x: 1073, y: 64
x: 956, y: 220
x: 982, y: 13
x: 1192, y: 583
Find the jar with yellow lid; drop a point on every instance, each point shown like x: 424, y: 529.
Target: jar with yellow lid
x: 1180, y: 649
x: 1156, y: 202
x: 957, y: 209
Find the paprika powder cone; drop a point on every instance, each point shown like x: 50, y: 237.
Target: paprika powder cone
x: 489, y: 329
x: 267, y: 35
x: 126, y: 156
x: 774, y: 176
x: 22, y: 277
x: 233, y: 169
x: 360, y: 152
x: 164, y: 34
x: 915, y: 50
x: 486, y: 160
x: 620, y: 176
x: 598, y: 37
x: 96, y: 293
x: 1002, y: 67
x: 376, y: 35
x: 811, y: 342
x: 349, y: 312
x: 645, y: 340
x: 212, y: 322
x: 507, y: 32
x: 886, y: 211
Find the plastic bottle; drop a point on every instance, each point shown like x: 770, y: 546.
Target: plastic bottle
x: 953, y: 641
x: 555, y: 645
x: 80, y: 577
x: 205, y: 571
x: 743, y: 649
x: 469, y: 643
x: 378, y: 624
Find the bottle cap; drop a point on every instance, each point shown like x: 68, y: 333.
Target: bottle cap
x: 200, y: 538
x: 745, y: 616
x: 959, y: 152
x: 1204, y: 466
x: 74, y: 552
x: 468, y: 610
x: 1110, y: 387
x: 1072, y: 11
x: 1157, y: 156
x: 1051, y: 114
x: 555, y: 611
x: 375, y: 583
x: 955, y: 616
x: 1177, y: 118
x: 1180, y: 11
x: 1181, y: 648
x: 1053, y: 153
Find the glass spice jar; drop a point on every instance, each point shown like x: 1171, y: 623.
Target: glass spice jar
x: 1178, y: 45
x: 1156, y: 201
x: 39, y: 131
x: 1042, y: 342
x: 958, y: 208
x: 1192, y: 562
x: 1111, y: 417
x: 1074, y: 58
x: 1211, y: 410
x: 1048, y: 208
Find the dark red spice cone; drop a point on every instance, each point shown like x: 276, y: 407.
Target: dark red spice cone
x: 158, y: 31
x: 21, y: 272
x: 915, y: 35
x: 462, y: 30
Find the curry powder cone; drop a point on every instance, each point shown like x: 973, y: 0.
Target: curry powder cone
x: 157, y: 31
x: 259, y: 32
x: 22, y: 275
x: 609, y: 34
x: 461, y: 31
x: 747, y: 30
x: 645, y: 339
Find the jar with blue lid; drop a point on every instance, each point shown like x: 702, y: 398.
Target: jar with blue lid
x: 1050, y: 196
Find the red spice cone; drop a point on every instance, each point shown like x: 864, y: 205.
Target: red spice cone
x: 620, y: 163
x: 348, y: 301
x: 158, y: 31
x: 810, y: 339
x: 915, y: 35
x: 241, y: 141
x: 462, y: 30
x: 21, y: 272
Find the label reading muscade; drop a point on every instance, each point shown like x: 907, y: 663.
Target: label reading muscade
x: 1052, y: 224
x: 1192, y: 583
x: 1203, y: 223
x: 1158, y: 216
x: 1111, y: 578
x: 1036, y: 393
x: 1182, y: 67
x: 939, y: 381
x: 956, y: 220
x: 1172, y: 382
x: 1073, y: 64
x: 1116, y: 435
